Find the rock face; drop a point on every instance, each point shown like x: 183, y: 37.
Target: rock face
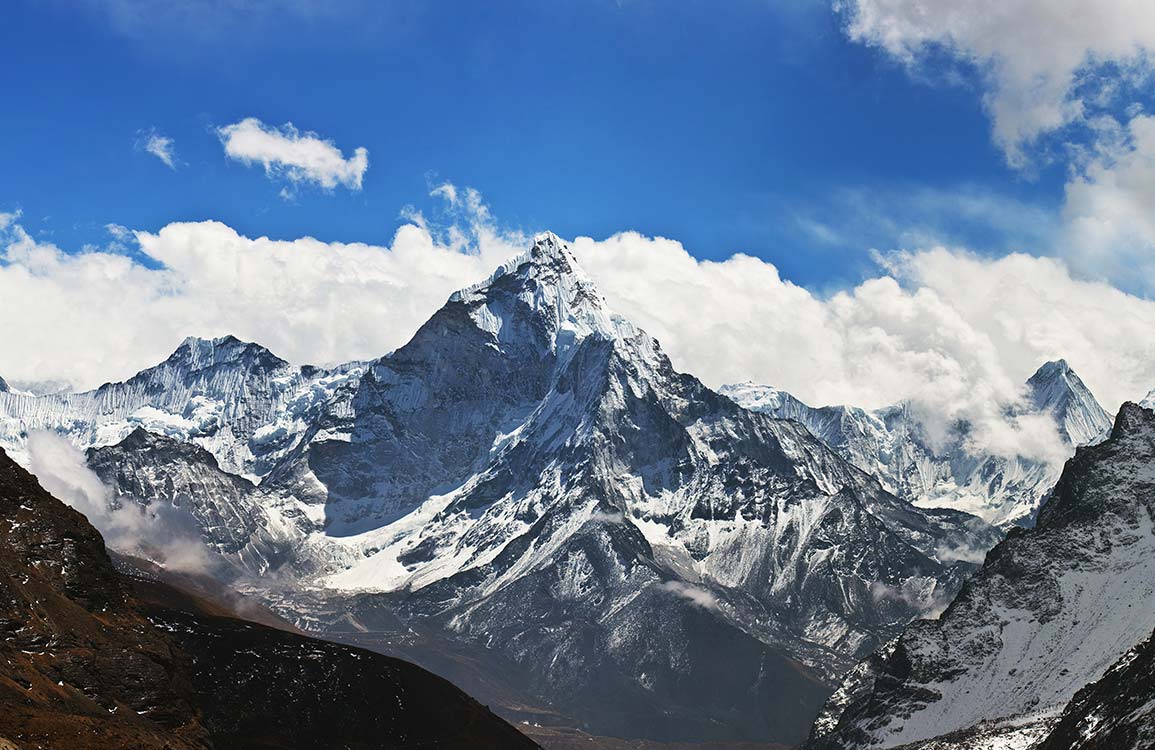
x: 890, y: 444
x: 1051, y: 610
x: 90, y: 659
x: 529, y: 476
x: 1115, y: 713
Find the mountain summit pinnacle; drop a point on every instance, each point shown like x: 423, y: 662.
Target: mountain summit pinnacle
x: 548, y: 280
x: 1057, y: 390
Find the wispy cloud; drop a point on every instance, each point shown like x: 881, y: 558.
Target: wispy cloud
x: 1110, y: 211
x: 289, y: 154
x: 693, y: 594
x: 886, y: 217
x: 160, y: 146
x: 1041, y: 61
x: 161, y: 533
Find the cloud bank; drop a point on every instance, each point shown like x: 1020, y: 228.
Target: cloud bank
x: 286, y: 153
x: 955, y: 332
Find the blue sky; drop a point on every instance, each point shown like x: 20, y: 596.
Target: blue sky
x: 746, y: 126
x: 938, y: 196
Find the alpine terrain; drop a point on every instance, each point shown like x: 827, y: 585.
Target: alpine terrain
x: 1115, y: 713
x: 1051, y: 610
x: 529, y: 485
x: 891, y: 443
x: 92, y: 658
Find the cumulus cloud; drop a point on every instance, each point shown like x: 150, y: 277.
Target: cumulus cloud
x: 161, y: 533
x: 102, y: 314
x: 160, y: 146
x: 955, y: 333
x: 1042, y: 60
x: 287, y: 153
x: 1071, y: 73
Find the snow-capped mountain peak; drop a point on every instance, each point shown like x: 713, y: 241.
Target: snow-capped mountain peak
x: 1056, y: 389
x: 195, y: 353
x: 3, y: 386
x: 548, y: 280
x: 528, y: 470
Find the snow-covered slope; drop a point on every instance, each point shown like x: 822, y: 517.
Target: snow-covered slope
x: 890, y: 444
x: 1115, y: 713
x: 529, y: 475
x: 1051, y: 609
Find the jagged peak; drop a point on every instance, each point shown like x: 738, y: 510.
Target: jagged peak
x: 549, y: 279
x: 201, y: 352
x: 1131, y: 441
x: 1055, y: 388
x: 4, y: 386
x: 220, y: 342
x: 757, y: 396
x: 548, y: 254
x: 1053, y: 370
x: 143, y: 439
x: 1132, y: 419
x: 140, y: 438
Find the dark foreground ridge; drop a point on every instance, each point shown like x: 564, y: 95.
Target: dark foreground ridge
x: 90, y: 658
x: 1115, y: 713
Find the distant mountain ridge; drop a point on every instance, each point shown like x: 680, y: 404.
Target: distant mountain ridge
x: 529, y: 476
x: 1052, y: 608
x: 889, y: 443
x: 236, y: 399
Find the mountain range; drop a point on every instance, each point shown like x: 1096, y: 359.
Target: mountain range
x: 893, y: 445
x: 529, y: 499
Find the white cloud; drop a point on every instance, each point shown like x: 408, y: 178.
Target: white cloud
x: 956, y: 332
x: 161, y: 533
x: 160, y: 146
x: 287, y: 153
x: 1042, y: 60
x: 1110, y: 211
x: 100, y: 315
x: 1077, y: 70
x: 694, y: 594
